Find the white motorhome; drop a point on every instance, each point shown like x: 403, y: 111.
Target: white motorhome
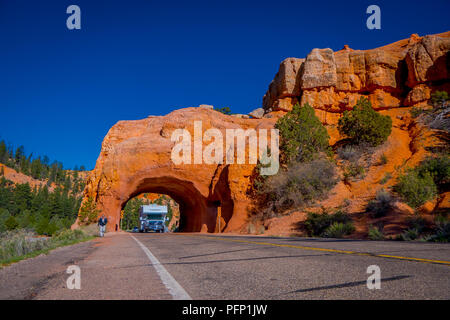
x: 152, y: 217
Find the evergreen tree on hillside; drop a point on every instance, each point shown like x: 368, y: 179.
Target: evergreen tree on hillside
x: 88, y: 212
x: 302, y: 135
x: 365, y: 125
x: 36, y: 168
x: 22, y: 198
x: 11, y: 223
x: 3, y: 152
x: 20, y: 153
x: 41, y: 209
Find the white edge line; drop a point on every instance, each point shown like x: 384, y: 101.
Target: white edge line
x: 175, y: 289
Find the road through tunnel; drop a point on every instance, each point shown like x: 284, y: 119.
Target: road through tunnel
x: 197, y: 213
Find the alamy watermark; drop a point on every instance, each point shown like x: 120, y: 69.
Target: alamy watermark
x: 74, y: 20
x: 374, y: 280
x: 374, y: 20
x: 235, y: 146
x: 73, y: 281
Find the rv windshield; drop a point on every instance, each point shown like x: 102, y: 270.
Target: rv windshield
x: 154, y: 216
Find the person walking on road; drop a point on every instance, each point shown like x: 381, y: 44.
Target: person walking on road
x: 102, y: 224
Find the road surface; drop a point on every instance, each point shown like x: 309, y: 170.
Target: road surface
x: 199, y: 266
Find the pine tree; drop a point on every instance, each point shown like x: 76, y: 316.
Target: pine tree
x: 36, y: 168
x: 22, y: 198
x: 3, y: 152
x: 302, y: 134
x: 365, y: 125
x: 88, y: 212
x: 11, y: 223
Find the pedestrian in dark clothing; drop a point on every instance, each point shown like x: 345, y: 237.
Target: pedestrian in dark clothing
x: 102, y: 225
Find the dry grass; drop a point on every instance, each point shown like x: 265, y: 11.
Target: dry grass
x: 22, y: 244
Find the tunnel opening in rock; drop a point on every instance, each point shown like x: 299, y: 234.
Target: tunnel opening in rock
x: 196, y: 212
x: 130, y: 214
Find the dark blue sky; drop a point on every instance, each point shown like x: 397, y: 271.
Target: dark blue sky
x: 61, y: 90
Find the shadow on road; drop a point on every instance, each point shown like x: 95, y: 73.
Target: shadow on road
x: 249, y: 259
x: 216, y: 253
x: 345, y: 285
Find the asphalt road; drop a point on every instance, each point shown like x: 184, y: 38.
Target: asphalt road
x: 199, y: 266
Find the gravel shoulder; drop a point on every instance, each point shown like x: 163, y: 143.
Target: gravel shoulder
x: 113, y: 267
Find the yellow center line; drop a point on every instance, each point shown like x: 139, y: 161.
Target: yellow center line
x: 326, y: 250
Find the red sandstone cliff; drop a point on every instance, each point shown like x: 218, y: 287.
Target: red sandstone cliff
x: 399, y: 74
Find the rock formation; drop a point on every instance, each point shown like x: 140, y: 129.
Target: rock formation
x: 136, y: 155
x: 136, y: 158
x: 403, y: 73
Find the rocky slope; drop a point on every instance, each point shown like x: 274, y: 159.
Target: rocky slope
x: 395, y: 78
x: 19, y: 178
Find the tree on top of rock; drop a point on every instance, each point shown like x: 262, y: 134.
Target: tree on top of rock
x: 365, y: 125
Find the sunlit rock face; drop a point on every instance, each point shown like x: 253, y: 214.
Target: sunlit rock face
x: 403, y: 73
x: 136, y: 158
x: 136, y: 155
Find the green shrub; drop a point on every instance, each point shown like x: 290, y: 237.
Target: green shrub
x: 363, y: 124
x: 415, y: 112
x: 302, y: 135
x: 317, y: 224
x: 47, y: 227
x: 410, y: 234
x: 438, y: 168
x: 339, y: 229
x: 439, y: 99
x: 417, y: 223
x: 422, y: 183
x: 350, y: 153
x: 4, y: 214
x: 383, y: 159
x: 224, y: 110
x: 11, y: 223
x: 26, y: 219
x: 381, y: 205
x: 386, y: 178
x: 300, y: 184
x: 69, y: 235
x: 354, y: 170
x: 416, y: 188
x: 375, y: 234
x: 442, y: 233
x: 419, y: 229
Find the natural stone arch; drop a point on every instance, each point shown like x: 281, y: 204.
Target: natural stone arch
x: 196, y: 211
x: 136, y: 158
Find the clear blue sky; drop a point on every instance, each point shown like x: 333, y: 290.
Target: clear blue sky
x: 61, y: 90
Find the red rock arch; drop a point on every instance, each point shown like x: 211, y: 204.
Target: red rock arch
x: 136, y: 158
